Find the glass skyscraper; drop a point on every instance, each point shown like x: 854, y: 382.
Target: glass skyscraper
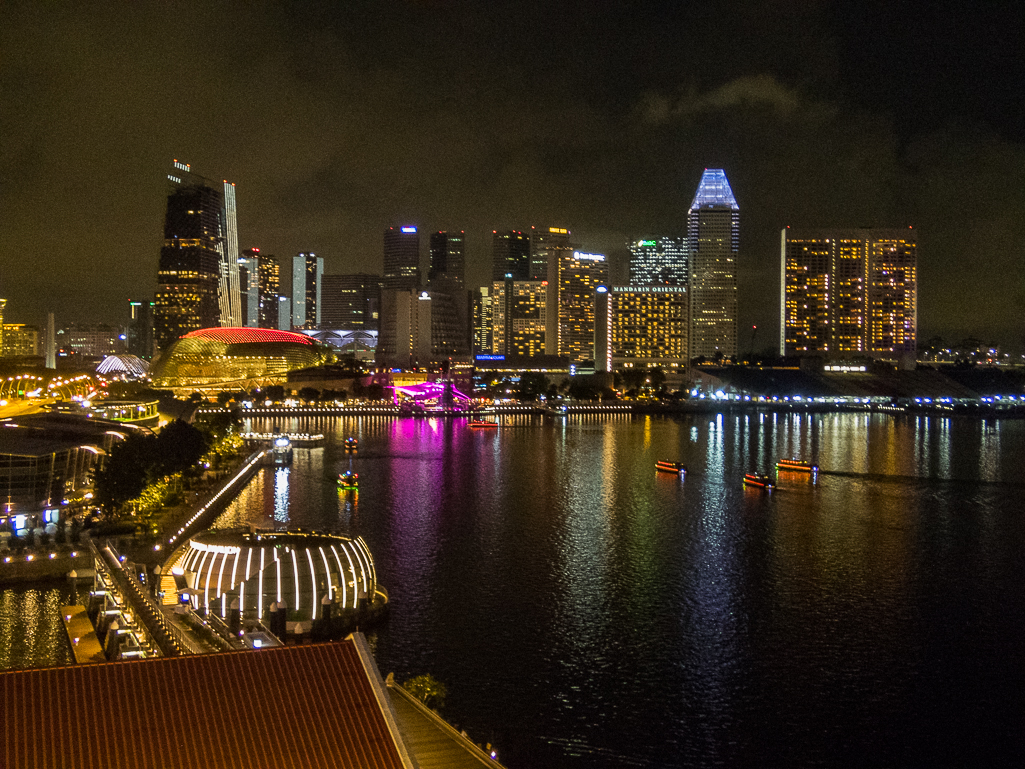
x: 307, y: 273
x: 658, y: 261
x: 401, y: 258
x: 197, y: 277
x: 713, y: 236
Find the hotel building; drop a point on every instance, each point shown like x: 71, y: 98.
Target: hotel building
x: 572, y: 278
x: 849, y: 292
x: 519, y: 315
x: 641, y: 327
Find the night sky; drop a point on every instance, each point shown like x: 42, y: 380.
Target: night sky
x: 337, y: 119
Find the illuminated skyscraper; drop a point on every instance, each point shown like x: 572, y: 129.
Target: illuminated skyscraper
x: 658, y: 261
x: 197, y: 277
x: 269, y: 289
x: 483, y: 315
x: 249, y: 283
x: 569, y: 313
x: 519, y: 309
x: 546, y: 243
x: 713, y: 235
x: 640, y: 327
x: 510, y: 255
x: 307, y: 271
x: 849, y: 291
x: 3, y: 302
x: 401, y: 258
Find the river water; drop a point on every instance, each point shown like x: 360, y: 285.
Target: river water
x: 586, y: 612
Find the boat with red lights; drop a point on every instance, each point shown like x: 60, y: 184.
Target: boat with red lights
x: 758, y: 480
x: 482, y: 423
x: 665, y: 466
x: 351, y: 445
x: 348, y: 481
x: 796, y: 465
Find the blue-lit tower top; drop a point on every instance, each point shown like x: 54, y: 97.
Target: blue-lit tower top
x: 714, y: 191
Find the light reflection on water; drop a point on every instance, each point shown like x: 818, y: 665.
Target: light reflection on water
x: 584, y: 611
x: 31, y: 631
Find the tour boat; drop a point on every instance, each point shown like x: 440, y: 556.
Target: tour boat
x: 482, y: 423
x: 758, y: 480
x: 665, y: 466
x: 351, y: 445
x: 797, y: 465
x: 348, y: 481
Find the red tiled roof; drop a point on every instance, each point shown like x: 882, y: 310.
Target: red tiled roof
x: 248, y: 335
x: 307, y: 706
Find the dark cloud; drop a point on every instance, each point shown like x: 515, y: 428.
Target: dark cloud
x: 336, y: 120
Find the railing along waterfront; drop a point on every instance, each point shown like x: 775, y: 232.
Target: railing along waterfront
x: 160, y: 633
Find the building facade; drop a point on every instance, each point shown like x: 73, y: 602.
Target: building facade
x: 510, y: 255
x: 140, y: 329
x: 447, y: 255
x: 307, y: 274
x: 351, y: 302
x: 268, y: 289
x: 546, y: 244
x: 849, y: 292
x: 249, y: 281
x: 713, y: 238
x: 20, y: 341
x: 658, y: 261
x: 572, y: 279
x: 519, y: 316
x: 483, y: 315
x: 197, y: 276
x: 641, y: 327
x: 401, y: 258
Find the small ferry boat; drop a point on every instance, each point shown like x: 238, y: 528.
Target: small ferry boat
x: 485, y: 423
x: 348, y: 481
x: 758, y: 480
x: 796, y: 465
x: 351, y: 445
x: 665, y: 466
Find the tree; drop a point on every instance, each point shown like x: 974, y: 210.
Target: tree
x: 179, y: 446
x: 531, y: 385
x: 428, y: 689
x: 126, y: 471
x: 223, y: 398
x: 274, y: 393
x: 308, y: 394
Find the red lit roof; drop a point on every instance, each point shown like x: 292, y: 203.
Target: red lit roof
x: 310, y: 706
x: 246, y: 335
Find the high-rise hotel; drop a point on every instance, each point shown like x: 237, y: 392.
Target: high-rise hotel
x: 569, y: 312
x: 849, y: 292
x: 197, y: 276
x: 640, y: 327
x: 713, y: 236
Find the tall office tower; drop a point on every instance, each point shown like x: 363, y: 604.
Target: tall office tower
x: 546, y: 243
x: 269, y: 289
x: 519, y: 312
x: 351, y: 302
x: 849, y: 291
x: 569, y: 312
x: 483, y: 313
x: 658, y: 261
x: 713, y: 234
x: 447, y: 255
x: 401, y: 258
x: 140, y: 329
x: 307, y: 271
x: 3, y: 303
x: 640, y: 327
x: 249, y: 283
x: 197, y: 277
x: 510, y: 255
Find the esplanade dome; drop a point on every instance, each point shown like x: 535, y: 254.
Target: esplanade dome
x: 260, y: 568
x: 240, y: 356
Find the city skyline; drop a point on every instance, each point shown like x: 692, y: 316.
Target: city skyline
x: 822, y: 116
